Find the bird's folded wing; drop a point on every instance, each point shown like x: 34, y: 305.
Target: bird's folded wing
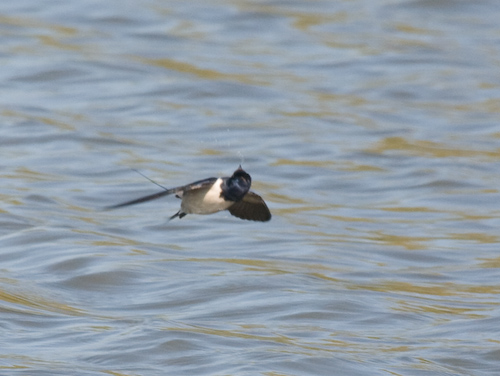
x: 200, y: 186
x: 251, y: 207
x: 205, y: 183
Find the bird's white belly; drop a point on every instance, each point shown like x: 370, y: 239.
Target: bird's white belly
x: 204, y: 201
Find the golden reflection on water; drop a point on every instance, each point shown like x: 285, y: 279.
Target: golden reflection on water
x: 40, y: 304
x: 231, y: 334
x: 407, y: 242
x: 114, y: 373
x: 27, y: 174
x: 55, y: 42
x: 46, y: 120
x: 353, y: 167
x: 270, y: 267
x: 285, y: 199
x: 35, y: 22
x: 294, y: 345
x: 303, y: 21
x: 440, y: 309
x: 209, y: 152
x: 329, y: 106
x: 490, y: 263
x: 343, y: 218
x: 390, y: 240
x: 403, y: 241
x: 475, y: 237
x: 443, y: 289
x: 207, y: 74
x: 57, y: 33
x: 411, y: 209
x: 429, y: 149
x: 410, y: 29
x: 297, y: 162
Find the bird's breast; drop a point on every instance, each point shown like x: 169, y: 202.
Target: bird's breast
x: 204, y: 200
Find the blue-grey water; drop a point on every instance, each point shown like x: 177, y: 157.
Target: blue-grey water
x: 371, y: 128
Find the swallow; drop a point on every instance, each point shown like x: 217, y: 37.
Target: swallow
x: 213, y: 195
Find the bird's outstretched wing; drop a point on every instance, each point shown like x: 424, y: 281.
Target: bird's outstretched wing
x: 251, y: 207
x: 178, y: 192
x: 154, y: 196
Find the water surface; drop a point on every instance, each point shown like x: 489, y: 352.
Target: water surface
x: 370, y: 128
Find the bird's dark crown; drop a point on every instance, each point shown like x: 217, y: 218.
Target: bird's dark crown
x: 240, y: 173
x: 237, y: 186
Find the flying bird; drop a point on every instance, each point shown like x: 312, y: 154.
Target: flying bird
x: 212, y: 195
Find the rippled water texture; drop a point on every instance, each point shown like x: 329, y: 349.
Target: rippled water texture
x: 371, y: 128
